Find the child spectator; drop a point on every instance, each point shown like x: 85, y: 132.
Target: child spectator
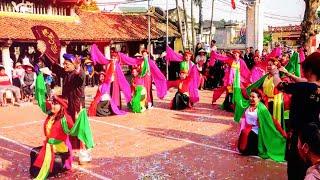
x: 18, y: 73
x: 5, y: 85
x: 48, y: 78
x: 28, y: 83
x: 89, y: 70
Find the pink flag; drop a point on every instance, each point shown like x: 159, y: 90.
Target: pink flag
x: 276, y: 52
x: 96, y: 56
x: 171, y: 55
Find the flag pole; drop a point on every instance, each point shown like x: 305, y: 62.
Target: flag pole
x: 167, y: 39
x: 149, y: 29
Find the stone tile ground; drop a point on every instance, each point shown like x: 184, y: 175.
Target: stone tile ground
x: 197, y: 143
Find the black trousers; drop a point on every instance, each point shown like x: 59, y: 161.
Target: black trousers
x: 58, y: 166
x: 104, y: 109
x: 252, y: 145
x: 227, y: 104
x: 180, y: 101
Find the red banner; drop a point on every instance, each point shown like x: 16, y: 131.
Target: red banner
x: 233, y: 4
x: 48, y: 42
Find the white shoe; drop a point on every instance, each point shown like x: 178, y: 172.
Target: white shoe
x: 150, y: 106
x: 84, y: 156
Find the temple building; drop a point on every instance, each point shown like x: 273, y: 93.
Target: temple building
x: 77, y: 28
x: 288, y: 35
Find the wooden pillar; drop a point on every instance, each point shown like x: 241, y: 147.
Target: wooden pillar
x: 62, y: 52
x: 50, y: 10
x: 6, y: 60
x: 254, y: 33
x: 107, y: 51
x: 72, y: 11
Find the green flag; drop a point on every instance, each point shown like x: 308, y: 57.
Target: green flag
x: 40, y: 92
x: 80, y: 129
x: 241, y: 104
x: 271, y: 144
x: 135, y: 102
x: 145, y: 67
x: 256, y: 85
x: 294, y: 66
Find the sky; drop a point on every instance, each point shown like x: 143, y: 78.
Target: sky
x: 276, y: 12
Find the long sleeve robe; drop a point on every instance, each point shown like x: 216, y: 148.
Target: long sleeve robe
x: 72, y: 88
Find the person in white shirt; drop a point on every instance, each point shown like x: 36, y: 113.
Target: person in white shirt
x: 29, y: 82
x: 201, y: 65
x: 18, y: 74
x: 213, y: 45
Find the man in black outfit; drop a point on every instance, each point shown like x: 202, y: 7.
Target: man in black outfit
x: 248, y: 57
x: 304, y: 108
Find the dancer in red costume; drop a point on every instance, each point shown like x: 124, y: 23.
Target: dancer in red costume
x: 55, y: 155
x: 235, y: 63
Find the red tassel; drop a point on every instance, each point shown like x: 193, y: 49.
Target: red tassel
x: 233, y: 4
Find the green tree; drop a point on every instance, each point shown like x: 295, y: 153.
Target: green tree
x: 179, y: 21
x: 199, y: 3
x: 186, y: 22
x: 267, y: 38
x: 192, y: 25
x: 211, y: 25
x: 309, y: 19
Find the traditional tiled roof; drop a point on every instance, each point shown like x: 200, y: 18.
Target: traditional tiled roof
x: 130, y: 9
x: 289, y: 28
x: 86, y: 26
x: 67, y: 1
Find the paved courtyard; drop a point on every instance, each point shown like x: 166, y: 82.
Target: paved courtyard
x: 198, y: 143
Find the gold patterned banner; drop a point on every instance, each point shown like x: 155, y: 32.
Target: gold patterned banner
x: 48, y: 42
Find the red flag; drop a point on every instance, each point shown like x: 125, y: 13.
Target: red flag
x: 48, y: 42
x: 233, y: 4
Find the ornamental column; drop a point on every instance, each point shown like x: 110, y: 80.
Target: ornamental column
x: 63, y: 50
x: 254, y: 21
x: 106, y: 50
x: 6, y: 60
x: 50, y: 10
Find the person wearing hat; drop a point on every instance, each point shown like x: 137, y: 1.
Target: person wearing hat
x: 89, y: 70
x: 18, y: 73
x: 181, y: 99
x: 101, y: 105
x: 188, y: 66
x: 110, y: 77
x: 187, y: 60
x: 201, y: 65
x: 139, y: 93
x: 234, y: 63
x: 146, y: 75
x: 55, y: 156
x: 201, y: 56
x: 5, y: 85
x: 72, y: 91
x: 48, y: 78
x: 107, y: 100
x: 28, y: 82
